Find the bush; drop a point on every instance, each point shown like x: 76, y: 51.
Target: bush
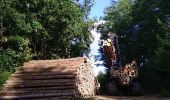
x: 9, y: 60
x: 3, y: 77
x: 15, y: 52
x: 21, y: 46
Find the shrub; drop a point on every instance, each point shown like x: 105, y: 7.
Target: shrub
x: 9, y: 60
x: 15, y: 52
x: 21, y: 46
x: 3, y: 77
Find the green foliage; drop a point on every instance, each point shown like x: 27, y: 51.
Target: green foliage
x: 15, y: 51
x: 155, y: 75
x: 20, y: 45
x: 9, y: 60
x: 51, y: 26
x: 120, y: 21
x: 3, y: 77
x: 144, y: 35
x: 103, y: 79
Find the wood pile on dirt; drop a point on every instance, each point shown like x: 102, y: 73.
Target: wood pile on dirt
x: 62, y: 79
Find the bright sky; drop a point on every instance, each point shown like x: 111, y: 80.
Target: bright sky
x: 99, y: 7
x: 97, y: 11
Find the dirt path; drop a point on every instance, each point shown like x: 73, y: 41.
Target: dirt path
x: 128, y: 98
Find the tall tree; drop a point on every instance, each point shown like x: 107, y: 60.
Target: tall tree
x: 54, y: 28
x: 143, y: 30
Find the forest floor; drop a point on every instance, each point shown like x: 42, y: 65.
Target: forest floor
x: 102, y: 97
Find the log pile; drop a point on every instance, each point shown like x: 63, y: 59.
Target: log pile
x: 85, y: 81
x: 126, y: 74
x: 62, y: 79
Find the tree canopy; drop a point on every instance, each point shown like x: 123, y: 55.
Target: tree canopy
x: 45, y: 28
x: 143, y: 28
x: 42, y: 29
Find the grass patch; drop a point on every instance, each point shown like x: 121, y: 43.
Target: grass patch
x: 3, y: 77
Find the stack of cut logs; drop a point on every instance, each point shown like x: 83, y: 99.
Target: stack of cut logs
x: 62, y: 79
x: 85, y: 84
x: 126, y: 74
x: 109, y: 51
